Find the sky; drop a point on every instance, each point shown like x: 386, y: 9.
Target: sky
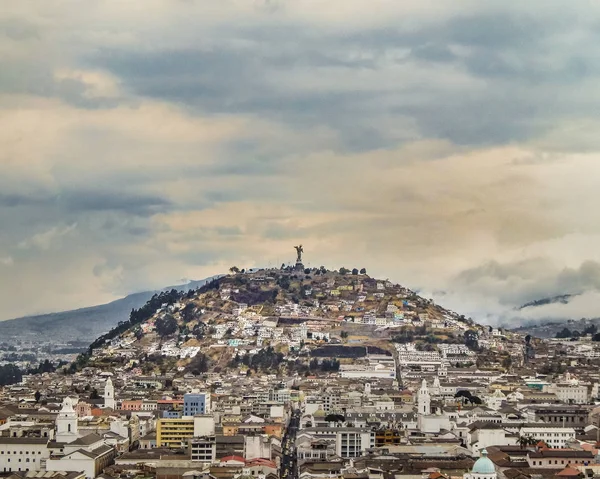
x: 451, y: 147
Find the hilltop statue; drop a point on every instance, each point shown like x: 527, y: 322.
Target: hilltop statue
x: 299, y: 250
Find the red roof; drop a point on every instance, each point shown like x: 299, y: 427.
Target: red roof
x: 569, y: 471
x: 234, y: 458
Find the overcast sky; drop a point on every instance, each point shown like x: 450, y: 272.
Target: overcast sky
x: 452, y: 147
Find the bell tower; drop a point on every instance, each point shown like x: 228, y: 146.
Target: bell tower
x: 424, y: 399
x: 66, y: 423
x: 109, y: 394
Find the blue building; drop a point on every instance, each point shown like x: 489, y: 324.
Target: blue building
x: 195, y: 403
x: 171, y: 414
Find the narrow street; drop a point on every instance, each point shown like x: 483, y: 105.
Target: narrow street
x: 289, y: 462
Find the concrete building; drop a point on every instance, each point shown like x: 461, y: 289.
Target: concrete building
x: 555, y: 437
x: 196, y: 403
x: 352, y: 442
x: 174, y: 432
x: 22, y: 454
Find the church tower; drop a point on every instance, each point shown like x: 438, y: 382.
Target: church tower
x: 66, y: 423
x: 424, y: 399
x: 109, y: 394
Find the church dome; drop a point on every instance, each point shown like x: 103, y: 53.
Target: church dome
x: 483, y: 465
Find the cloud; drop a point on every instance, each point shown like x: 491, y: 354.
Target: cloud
x: 45, y: 239
x: 6, y: 261
x: 453, y: 150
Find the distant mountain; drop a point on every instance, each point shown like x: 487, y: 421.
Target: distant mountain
x: 548, y: 329
x: 80, y: 325
x: 562, y: 299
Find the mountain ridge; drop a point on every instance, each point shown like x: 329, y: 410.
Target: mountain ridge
x: 82, y: 324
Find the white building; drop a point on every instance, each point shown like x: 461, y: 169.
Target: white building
x: 485, y: 434
x: 88, y: 454
x: 22, y: 454
x: 352, y: 442
x: 554, y: 437
x: 569, y: 393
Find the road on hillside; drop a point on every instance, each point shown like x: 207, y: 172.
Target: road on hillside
x: 289, y: 461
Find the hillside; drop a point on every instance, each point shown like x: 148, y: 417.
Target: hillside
x: 268, y: 315
x: 80, y: 325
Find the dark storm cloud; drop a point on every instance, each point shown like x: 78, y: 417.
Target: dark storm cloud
x: 11, y: 200
x: 89, y: 201
x: 501, y: 48
x: 94, y: 201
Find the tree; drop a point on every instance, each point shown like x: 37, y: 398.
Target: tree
x: 94, y: 394
x: 344, y: 270
x: 10, y: 374
x: 198, y: 364
x: 507, y: 362
x: 565, y: 333
x: 591, y: 330
x: 335, y: 418
x: 528, y: 338
x: 596, y: 337
x: 363, y: 271
x: 525, y: 441
x: 471, y: 338
x: 166, y: 325
x: 466, y: 395
x: 344, y: 334
x: 38, y: 396
x: 306, y: 270
x: 283, y: 282
x: 234, y: 270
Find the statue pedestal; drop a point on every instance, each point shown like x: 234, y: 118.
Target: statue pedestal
x: 299, y: 266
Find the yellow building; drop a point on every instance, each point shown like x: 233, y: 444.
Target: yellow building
x: 172, y: 432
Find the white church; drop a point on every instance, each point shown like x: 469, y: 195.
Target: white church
x: 426, y: 421
x: 71, y: 451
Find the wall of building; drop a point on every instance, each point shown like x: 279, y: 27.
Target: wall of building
x: 19, y: 455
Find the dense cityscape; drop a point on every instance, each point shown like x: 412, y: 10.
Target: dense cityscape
x: 309, y: 373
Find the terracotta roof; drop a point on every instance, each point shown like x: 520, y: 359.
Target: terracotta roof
x: 569, y: 472
x: 233, y: 458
